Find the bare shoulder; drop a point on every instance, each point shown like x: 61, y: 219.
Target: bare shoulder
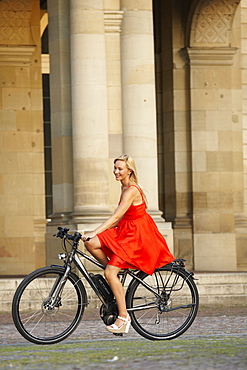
x: 133, y: 189
x: 130, y: 192
x: 133, y: 194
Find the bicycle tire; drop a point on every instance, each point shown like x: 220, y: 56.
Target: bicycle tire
x: 35, y: 319
x: 171, y: 315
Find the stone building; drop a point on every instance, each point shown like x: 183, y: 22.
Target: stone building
x: 82, y: 82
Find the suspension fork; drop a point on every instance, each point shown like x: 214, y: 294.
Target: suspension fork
x: 61, y: 280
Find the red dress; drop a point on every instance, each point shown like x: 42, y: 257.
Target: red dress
x: 136, y: 242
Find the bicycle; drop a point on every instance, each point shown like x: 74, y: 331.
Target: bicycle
x: 49, y: 303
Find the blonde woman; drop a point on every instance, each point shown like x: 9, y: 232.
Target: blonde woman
x: 127, y: 239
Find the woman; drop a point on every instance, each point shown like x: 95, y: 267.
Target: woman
x: 127, y: 239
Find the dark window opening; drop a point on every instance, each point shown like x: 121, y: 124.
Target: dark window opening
x: 47, y: 130
x: 43, y: 4
x: 44, y: 42
x: 47, y: 143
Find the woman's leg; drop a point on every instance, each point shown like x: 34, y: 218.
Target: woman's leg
x: 111, y: 275
x: 94, y: 247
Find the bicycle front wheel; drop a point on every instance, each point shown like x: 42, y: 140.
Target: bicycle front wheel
x: 41, y: 318
x: 164, y: 305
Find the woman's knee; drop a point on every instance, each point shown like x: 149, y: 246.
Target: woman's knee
x: 92, y: 244
x: 107, y: 275
x: 88, y: 246
x: 111, y: 273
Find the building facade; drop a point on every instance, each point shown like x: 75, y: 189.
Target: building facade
x: 82, y: 82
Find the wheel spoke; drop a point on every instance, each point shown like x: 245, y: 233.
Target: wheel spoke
x: 169, y: 310
x: 37, y: 317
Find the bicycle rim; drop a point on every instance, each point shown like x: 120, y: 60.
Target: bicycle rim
x: 169, y: 313
x: 37, y: 320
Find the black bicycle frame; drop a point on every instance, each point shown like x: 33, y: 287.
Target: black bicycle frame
x: 84, y: 272
x: 73, y: 257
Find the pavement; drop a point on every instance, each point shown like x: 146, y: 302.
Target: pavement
x: 215, y: 327
x: 210, y: 320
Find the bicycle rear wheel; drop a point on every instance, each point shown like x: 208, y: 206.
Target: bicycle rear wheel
x: 37, y: 317
x: 166, y: 306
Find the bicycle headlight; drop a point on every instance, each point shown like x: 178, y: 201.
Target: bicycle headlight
x: 62, y: 256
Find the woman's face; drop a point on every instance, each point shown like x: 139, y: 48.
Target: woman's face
x: 120, y: 170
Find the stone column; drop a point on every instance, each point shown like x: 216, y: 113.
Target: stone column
x: 138, y: 89
x: 89, y: 112
x: 113, y: 19
x: 138, y: 97
x: 61, y: 126
x: 216, y: 140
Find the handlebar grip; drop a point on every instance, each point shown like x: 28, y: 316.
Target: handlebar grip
x: 63, y: 234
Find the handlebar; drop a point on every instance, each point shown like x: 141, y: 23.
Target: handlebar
x: 63, y: 234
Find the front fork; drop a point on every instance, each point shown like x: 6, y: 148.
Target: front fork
x: 53, y: 299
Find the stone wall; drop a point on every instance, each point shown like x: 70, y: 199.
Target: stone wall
x: 185, y: 125
x: 200, y: 132
x: 22, y: 208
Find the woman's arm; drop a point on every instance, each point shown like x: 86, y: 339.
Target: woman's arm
x: 126, y: 201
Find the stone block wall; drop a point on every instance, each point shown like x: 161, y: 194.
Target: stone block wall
x: 22, y: 211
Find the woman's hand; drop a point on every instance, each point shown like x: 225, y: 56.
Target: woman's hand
x: 88, y: 236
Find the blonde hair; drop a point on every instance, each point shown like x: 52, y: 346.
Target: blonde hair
x: 130, y: 163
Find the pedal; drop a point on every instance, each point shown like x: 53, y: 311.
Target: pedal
x: 118, y: 334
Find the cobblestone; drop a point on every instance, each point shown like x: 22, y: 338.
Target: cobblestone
x: 209, y: 321
x: 215, y: 341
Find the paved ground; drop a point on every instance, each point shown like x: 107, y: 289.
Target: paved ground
x: 216, y: 340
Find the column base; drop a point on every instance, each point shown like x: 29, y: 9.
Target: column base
x: 89, y: 219
x: 59, y: 219
x: 241, y: 241
x: 164, y: 227
x: 183, y: 240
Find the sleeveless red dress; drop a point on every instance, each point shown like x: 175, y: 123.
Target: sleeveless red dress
x: 136, y: 242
